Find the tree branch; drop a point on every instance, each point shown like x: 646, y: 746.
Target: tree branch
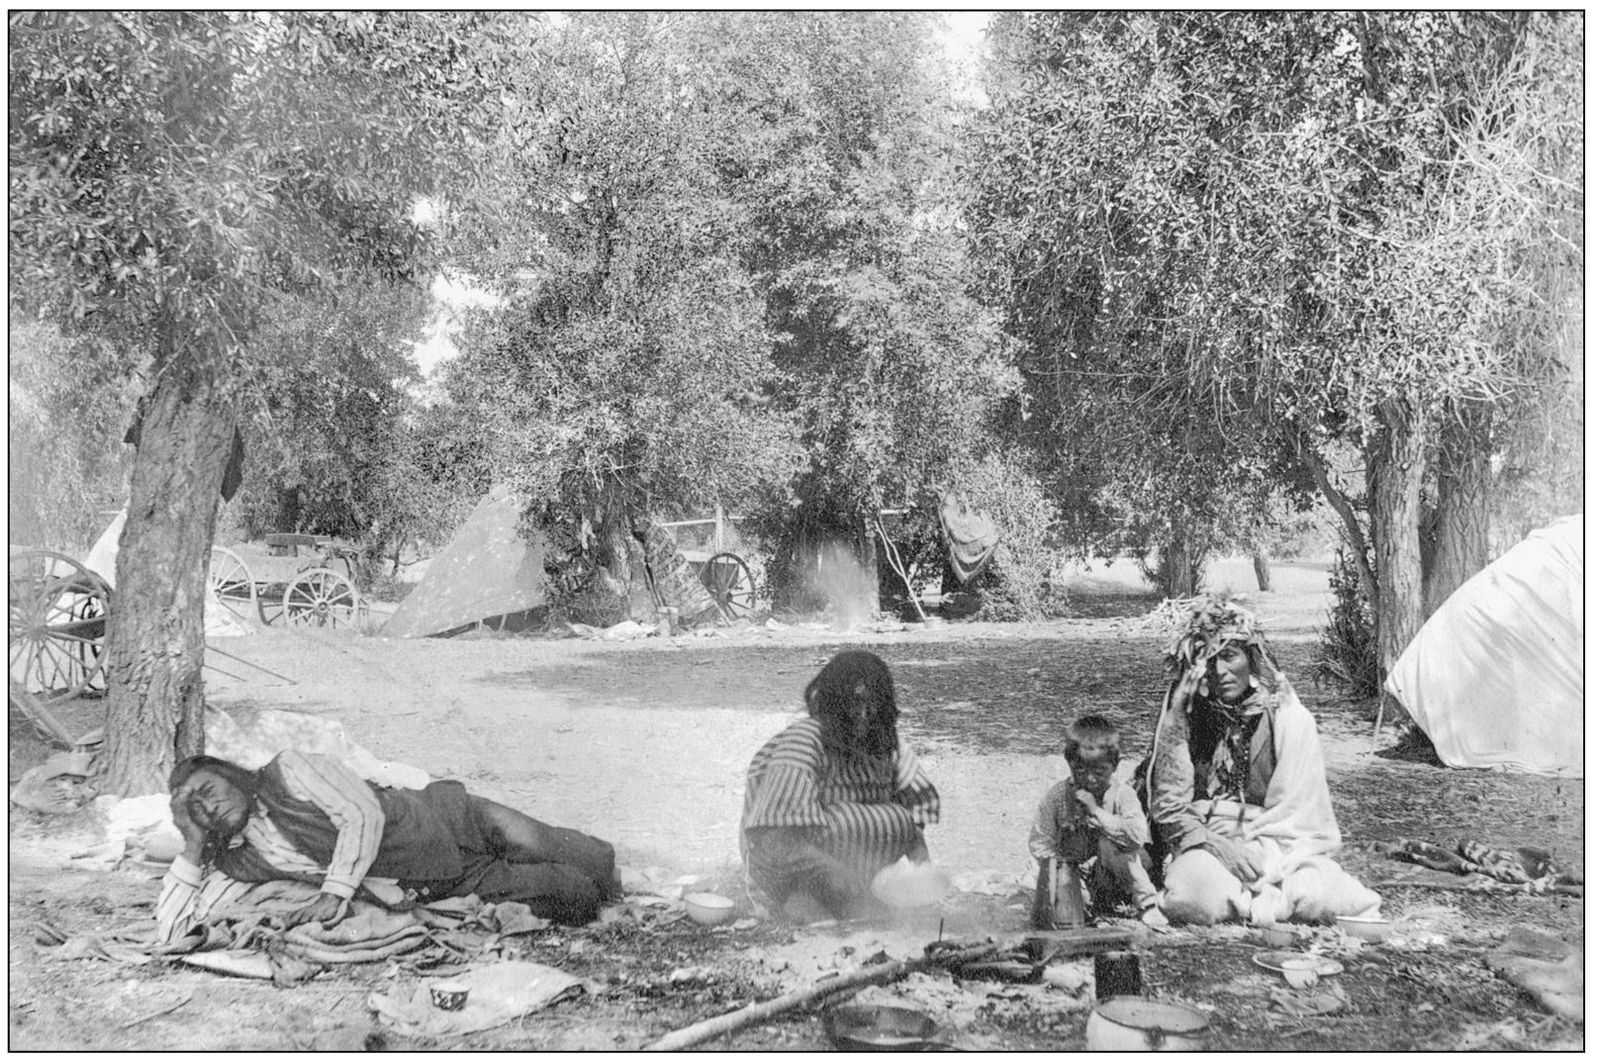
x: 1343, y: 508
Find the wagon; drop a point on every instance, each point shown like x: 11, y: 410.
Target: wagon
x: 289, y: 578
x: 725, y: 574
x: 728, y: 579
x: 55, y: 635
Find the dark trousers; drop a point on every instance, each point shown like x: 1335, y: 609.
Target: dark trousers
x: 559, y: 873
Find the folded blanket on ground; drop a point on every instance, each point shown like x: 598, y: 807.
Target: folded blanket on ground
x: 1520, y: 866
x: 1547, y: 967
x: 243, y: 934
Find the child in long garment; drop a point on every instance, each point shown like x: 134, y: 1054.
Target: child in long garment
x: 1093, y: 828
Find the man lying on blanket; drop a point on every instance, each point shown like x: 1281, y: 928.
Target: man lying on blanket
x: 310, y: 818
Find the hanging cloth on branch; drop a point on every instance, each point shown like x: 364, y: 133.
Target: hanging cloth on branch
x: 971, y: 536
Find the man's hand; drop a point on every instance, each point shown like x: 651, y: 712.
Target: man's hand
x: 193, y: 833
x: 1190, y: 681
x: 327, y: 909
x: 1237, y: 857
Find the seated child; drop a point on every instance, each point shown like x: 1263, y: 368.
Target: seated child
x: 1092, y: 827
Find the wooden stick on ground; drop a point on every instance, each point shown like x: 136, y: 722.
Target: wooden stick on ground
x: 853, y: 981
x: 251, y: 664
x: 160, y: 1012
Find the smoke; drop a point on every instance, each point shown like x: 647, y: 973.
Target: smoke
x: 846, y: 586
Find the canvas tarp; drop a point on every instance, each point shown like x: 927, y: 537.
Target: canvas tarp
x: 1494, y: 676
x: 971, y: 536
x: 486, y: 571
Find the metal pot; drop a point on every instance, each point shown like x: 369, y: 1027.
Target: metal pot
x: 1140, y: 1024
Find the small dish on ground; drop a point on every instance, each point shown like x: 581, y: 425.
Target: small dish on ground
x: 1281, y: 961
x: 705, y: 908
x: 1369, y: 929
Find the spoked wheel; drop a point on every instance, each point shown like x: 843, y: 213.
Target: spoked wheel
x: 55, y: 635
x: 231, y: 584
x: 728, y: 578
x: 321, y: 598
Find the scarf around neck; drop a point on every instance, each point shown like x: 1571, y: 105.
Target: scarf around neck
x: 1232, y: 756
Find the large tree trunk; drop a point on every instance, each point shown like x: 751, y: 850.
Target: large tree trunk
x: 1396, y: 467
x: 156, y: 633
x: 1463, y: 515
x: 1260, y: 569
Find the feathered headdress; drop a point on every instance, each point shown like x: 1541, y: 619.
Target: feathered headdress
x: 1207, y: 623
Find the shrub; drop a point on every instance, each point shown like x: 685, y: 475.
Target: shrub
x: 1349, y: 658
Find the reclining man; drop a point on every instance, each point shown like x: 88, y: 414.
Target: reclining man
x: 310, y: 818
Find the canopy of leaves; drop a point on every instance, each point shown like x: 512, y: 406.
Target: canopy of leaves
x: 169, y: 170
x: 1225, y: 236
x: 327, y: 435
x: 725, y: 279
x: 66, y: 414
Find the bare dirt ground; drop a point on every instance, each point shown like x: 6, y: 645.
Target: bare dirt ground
x: 645, y: 744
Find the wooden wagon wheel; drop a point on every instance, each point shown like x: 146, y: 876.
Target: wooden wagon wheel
x: 322, y: 598
x: 728, y: 578
x: 231, y: 583
x: 55, y: 635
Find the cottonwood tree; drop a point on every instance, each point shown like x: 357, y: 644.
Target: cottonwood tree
x: 1294, y: 223
x: 169, y: 172
x: 327, y: 419
x: 888, y: 365
x: 721, y: 279
x: 623, y: 370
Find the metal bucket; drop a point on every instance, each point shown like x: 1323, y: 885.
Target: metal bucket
x: 1140, y: 1024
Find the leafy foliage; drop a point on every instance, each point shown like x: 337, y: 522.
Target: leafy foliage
x: 1220, y: 262
x: 64, y: 437
x: 1005, y: 487
x: 327, y: 441
x: 724, y: 279
x: 625, y: 370
x: 171, y: 173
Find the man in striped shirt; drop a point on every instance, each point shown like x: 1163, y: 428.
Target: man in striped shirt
x: 836, y: 797
x: 310, y: 818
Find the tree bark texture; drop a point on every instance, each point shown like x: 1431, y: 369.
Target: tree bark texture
x: 1396, y: 468
x: 1463, y: 512
x: 1260, y: 569
x: 155, y: 634
x: 1179, y: 565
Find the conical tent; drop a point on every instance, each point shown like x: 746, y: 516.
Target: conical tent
x: 1494, y: 676
x: 486, y: 571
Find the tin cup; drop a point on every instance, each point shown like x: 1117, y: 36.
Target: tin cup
x: 448, y: 995
x: 1117, y: 973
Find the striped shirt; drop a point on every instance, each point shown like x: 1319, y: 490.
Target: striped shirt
x: 865, y: 807
x: 324, y: 781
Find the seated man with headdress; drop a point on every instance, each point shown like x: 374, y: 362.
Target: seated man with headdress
x: 836, y: 797
x: 1236, y: 785
x: 310, y: 818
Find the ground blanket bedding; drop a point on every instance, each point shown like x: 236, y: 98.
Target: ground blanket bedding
x: 1482, y: 865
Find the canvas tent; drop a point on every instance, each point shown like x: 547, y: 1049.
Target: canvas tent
x: 102, y: 560
x: 486, y: 572
x: 1494, y: 676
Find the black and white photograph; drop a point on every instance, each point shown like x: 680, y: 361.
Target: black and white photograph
x: 795, y: 530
